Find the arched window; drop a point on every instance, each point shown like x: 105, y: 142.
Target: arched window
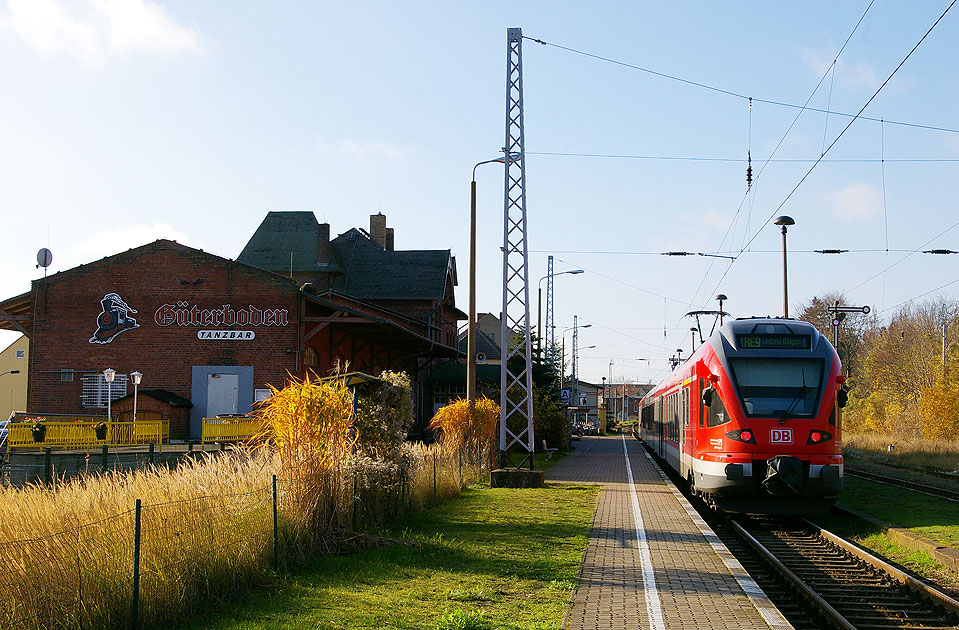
x: 310, y: 358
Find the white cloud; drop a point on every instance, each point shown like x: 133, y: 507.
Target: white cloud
x: 110, y: 242
x: 359, y: 150
x: 856, y: 201
x: 859, y: 75
x: 96, y: 30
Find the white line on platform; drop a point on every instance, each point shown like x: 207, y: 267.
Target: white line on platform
x: 654, y: 608
x: 756, y: 595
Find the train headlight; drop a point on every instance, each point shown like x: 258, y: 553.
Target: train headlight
x: 818, y: 437
x: 742, y: 435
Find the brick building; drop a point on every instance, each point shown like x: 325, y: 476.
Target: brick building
x: 216, y: 332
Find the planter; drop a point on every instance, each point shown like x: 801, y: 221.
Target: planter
x: 101, y: 431
x: 39, y: 433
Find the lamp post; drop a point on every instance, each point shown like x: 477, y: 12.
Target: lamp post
x: 108, y: 375
x: 136, y: 377
x: 11, y: 389
x: 784, y: 222
x: 539, y: 302
x: 471, y: 327
x: 562, y: 359
x: 693, y: 330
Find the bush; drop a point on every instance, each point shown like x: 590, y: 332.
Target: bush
x: 384, y: 414
x: 550, y: 423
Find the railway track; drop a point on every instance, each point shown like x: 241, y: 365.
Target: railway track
x: 952, y: 495
x: 847, y: 587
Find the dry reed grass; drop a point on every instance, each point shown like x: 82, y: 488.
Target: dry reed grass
x: 457, y: 425
x: 207, y: 528
x: 910, y: 452
x: 67, y: 550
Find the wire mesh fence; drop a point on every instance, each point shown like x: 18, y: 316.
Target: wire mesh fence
x: 160, y: 560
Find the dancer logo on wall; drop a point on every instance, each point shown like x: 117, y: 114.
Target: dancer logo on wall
x: 114, y: 319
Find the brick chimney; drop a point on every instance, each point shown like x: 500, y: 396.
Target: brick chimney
x: 389, y: 239
x: 323, y: 243
x: 378, y: 228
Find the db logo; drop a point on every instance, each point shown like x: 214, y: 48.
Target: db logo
x: 780, y: 436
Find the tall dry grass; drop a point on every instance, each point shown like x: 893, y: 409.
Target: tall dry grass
x: 907, y: 451
x: 308, y: 425
x: 66, y: 551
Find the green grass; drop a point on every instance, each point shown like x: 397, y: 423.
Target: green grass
x: 930, y: 517
x: 490, y: 559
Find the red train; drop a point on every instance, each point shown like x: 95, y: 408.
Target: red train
x: 753, y: 419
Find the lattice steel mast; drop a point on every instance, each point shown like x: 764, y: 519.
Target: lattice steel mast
x: 516, y: 375
x: 550, y: 340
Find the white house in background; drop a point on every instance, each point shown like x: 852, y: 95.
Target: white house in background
x: 13, y: 377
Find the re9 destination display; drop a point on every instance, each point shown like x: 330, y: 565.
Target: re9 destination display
x: 773, y: 342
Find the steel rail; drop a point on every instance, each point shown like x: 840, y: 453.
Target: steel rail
x: 944, y: 493
x: 804, y: 589
x: 900, y: 576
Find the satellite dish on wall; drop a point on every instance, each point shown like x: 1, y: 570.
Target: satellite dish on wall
x: 44, y: 258
x: 481, y: 357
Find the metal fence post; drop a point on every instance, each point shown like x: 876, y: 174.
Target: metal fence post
x: 276, y: 531
x: 135, y: 605
x: 459, y: 455
x: 152, y: 448
x: 354, y: 501
x: 105, y: 454
x: 47, y: 465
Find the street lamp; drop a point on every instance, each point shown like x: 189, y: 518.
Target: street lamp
x: 471, y: 327
x: 693, y: 330
x: 562, y: 359
x: 784, y: 221
x: 539, y: 302
x: 108, y: 375
x: 136, y: 377
x: 11, y: 389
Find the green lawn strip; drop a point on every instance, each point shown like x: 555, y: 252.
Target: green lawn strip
x: 931, y: 517
x: 490, y: 559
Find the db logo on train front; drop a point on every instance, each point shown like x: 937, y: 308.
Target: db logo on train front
x: 780, y: 436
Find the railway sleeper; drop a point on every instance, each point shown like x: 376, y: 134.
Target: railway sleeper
x: 883, y: 624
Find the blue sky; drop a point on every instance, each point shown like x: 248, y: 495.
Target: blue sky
x: 124, y: 121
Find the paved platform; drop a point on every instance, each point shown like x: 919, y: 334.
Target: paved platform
x: 651, y: 562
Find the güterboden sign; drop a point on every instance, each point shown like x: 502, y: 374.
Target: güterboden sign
x: 115, y: 318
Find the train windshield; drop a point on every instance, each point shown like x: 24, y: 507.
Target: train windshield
x: 778, y: 388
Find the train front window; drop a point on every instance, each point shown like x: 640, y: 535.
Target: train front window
x: 778, y: 388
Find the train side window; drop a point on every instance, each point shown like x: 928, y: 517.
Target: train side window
x: 717, y: 415
x: 702, y: 407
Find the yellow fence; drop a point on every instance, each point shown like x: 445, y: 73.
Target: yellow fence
x: 82, y: 434
x: 229, y: 429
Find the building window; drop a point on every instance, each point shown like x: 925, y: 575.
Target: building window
x: 94, y: 393
x: 445, y: 393
x: 66, y: 375
x: 310, y: 358
x: 21, y: 354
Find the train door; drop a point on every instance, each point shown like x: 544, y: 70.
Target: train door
x: 683, y: 429
x: 661, y: 425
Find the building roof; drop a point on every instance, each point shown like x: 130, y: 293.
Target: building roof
x: 361, y: 267
x: 484, y: 344
x: 371, y: 272
x: 280, y: 236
